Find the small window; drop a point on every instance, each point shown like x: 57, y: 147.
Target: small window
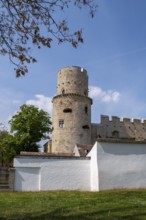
x: 86, y: 109
x: 115, y: 134
x: 98, y: 136
x: 61, y: 123
x: 85, y: 126
x: 85, y: 92
x: 63, y: 91
x: 67, y: 110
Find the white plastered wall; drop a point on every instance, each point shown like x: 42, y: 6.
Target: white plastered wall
x: 35, y: 174
x: 94, y: 168
x: 119, y: 165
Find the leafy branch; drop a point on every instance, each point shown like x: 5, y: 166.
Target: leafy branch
x: 24, y: 23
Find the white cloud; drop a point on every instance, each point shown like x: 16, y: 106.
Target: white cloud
x: 108, y: 96
x: 42, y: 102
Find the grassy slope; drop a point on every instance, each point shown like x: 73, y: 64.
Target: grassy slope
x: 108, y: 205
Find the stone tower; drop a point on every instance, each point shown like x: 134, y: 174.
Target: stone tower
x: 71, y: 110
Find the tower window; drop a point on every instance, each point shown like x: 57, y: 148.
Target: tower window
x: 85, y: 92
x: 85, y: 126
x: 61, y: 123
x: 67, y: 110
x: 115, y: 134
x: 63, y: 91
x: 86, y: 109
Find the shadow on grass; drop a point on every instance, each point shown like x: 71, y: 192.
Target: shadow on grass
x: 130, y: 213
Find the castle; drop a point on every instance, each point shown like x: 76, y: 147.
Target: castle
x: 72, y: 117
x: 84, y: 155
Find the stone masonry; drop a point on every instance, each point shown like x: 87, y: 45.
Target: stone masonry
x: 71, y: 110
x: 121, y: 128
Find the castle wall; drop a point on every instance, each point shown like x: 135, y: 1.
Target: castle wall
x: 109, y: 165
x: 118, y: 165
x: 35, y: 173
x: 121, y: 128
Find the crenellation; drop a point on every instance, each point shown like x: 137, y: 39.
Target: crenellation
x: 144, y: 121
x: 115, y: 119
x: 124, y: 128
x: 104, y: 119
x: 136, y: 121
x: 126, y: 120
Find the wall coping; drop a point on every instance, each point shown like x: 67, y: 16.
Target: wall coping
x: 122, y: 140
x: 52, y: 157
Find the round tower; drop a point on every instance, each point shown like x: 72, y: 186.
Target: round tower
x: 71, y: 110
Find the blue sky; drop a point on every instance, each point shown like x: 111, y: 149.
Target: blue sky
x: 114, y: 54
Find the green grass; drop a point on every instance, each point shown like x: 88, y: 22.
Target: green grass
x: 107, y: 205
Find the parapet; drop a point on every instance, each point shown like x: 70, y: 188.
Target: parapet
x: 72, y: 80
x: 122, y: 128
x: 106, y: 119
x: 137, y: 121
x: 115, y: 119
x: 73, y: 69
x: 126, y: 120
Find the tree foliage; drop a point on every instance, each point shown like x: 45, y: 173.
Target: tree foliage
x: 7, y: 148
x: 24, y: 23
x: 29, y: 126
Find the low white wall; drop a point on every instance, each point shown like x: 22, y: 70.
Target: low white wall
x: 112, y: 166
x: 41, y: 173
x: 119, y: 165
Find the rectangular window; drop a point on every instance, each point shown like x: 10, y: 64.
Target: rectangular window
x: 61, y: 123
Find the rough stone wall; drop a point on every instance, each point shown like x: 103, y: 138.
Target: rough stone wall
x: 121, y: 128
x: 94, y: 132
x: 71, y: 111
x: 72, y: 80
x: 73, y: 132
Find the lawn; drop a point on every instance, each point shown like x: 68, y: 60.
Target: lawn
x: 66, y: 205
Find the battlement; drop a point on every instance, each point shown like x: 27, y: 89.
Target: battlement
x: 116, y: 119
x: 73, y: 69
x: 72, y: 80
x: 122, y: 128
